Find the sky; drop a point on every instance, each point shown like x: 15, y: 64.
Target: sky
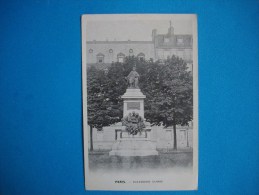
x: 121, y: 28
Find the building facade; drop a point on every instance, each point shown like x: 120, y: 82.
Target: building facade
x: 103, y: 53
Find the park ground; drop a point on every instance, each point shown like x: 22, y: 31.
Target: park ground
x: 100, y: 160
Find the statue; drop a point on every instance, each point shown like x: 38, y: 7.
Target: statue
x: 133, y: 78
x: 134, y: 123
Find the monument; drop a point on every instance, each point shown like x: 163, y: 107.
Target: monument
x: 134, y: 137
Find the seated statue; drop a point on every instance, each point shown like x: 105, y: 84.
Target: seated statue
x: 133, y: 78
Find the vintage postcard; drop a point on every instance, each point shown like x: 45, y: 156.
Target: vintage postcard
x: 140, y: 101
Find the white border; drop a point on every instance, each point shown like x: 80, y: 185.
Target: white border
x: 103, y: 185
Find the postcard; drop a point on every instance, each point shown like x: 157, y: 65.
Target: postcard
x: 140, y: 101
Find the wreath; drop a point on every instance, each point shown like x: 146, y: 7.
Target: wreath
x: 134, y: 123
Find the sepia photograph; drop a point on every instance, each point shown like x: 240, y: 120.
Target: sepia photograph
x: 140, y: 101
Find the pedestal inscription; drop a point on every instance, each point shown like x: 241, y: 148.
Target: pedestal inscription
x: 133, y: 106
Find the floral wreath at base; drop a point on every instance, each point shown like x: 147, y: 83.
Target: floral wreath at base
x: 134, y: 123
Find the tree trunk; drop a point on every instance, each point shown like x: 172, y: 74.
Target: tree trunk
x: 91, y: 138
x: 175, y: 138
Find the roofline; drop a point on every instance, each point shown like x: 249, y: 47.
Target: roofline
x: 175, y: 35
x: 119, y: 42
x: 174, y: 47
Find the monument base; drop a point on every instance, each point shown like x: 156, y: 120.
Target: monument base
x: 133, y: 146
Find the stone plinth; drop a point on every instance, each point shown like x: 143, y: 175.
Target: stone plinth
x: 133, y: 145
x: 133, y: 100
x: 127, y: 144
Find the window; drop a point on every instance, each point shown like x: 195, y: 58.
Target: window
x: 130, y: 52
x: 141, y: 56
x: 121, y: 57
x: 180, y: 41
x: 110, y: 51
x: 100, y: 58
x: 166, y: 40
x: 90, y: 51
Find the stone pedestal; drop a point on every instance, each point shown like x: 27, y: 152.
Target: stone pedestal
x: 127, y: 144
x: 133, y: 100
x: 133, y: 145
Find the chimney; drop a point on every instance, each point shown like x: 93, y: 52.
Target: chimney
x: 154, y: 33
x: 171, y: 29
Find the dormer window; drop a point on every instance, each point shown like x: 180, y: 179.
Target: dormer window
x: 120, y: 57
x: 141, y: 56
x: 100, y: 58
x: 180, y: 41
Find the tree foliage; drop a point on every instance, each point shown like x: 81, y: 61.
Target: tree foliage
x: 103, y: 106
x: 169, y: 90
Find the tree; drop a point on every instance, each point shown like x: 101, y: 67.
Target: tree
x: 103, y: 107
x: 169, y: 90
